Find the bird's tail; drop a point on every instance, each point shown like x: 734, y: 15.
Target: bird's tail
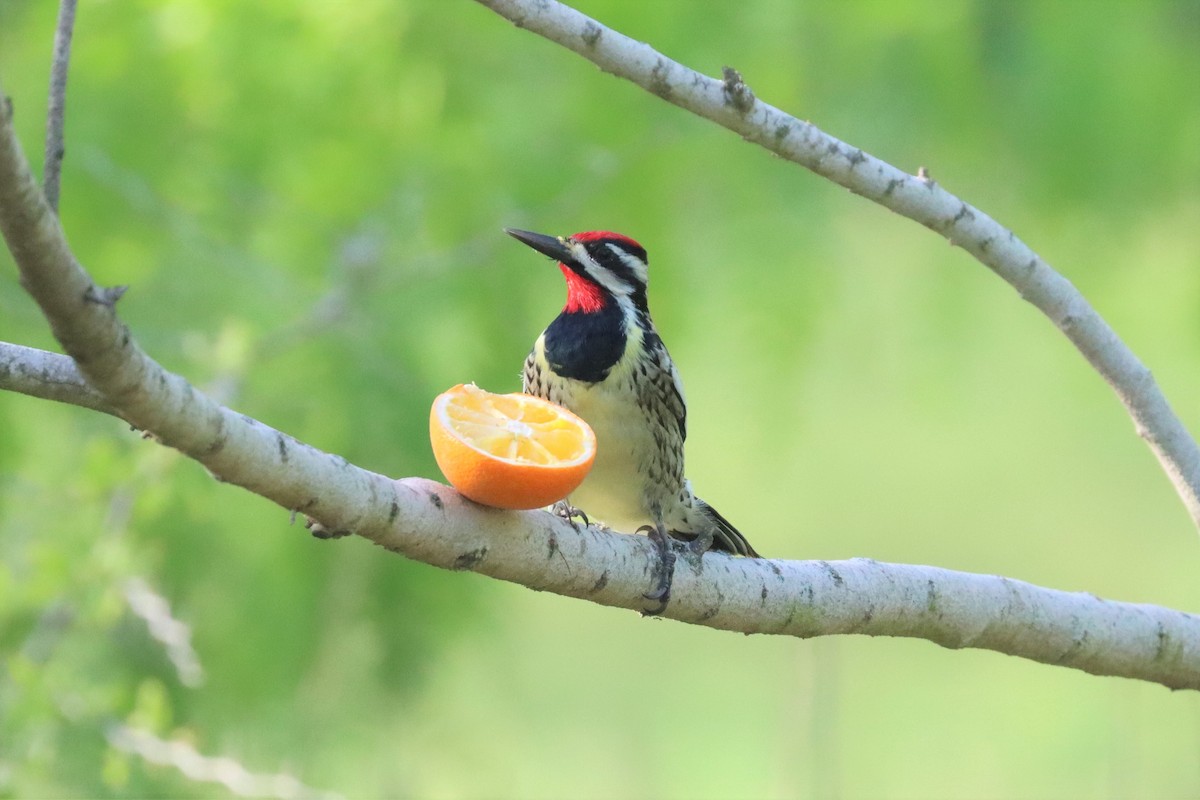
x: 727, y: 538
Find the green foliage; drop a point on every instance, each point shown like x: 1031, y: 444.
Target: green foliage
x: 306, y: 201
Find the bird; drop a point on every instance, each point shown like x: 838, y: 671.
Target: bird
x: 603, y: 359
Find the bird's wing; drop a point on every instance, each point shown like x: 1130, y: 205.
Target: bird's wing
x: 666, y: 388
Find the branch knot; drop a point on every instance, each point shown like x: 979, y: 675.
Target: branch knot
x: 737, y: 93
x: 106, y: 297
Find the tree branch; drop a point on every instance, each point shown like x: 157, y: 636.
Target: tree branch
x: 56, y: 112
x: 182, y: 755
x: 731, y: 104
x: 49, y: 376
x: 429, y: 522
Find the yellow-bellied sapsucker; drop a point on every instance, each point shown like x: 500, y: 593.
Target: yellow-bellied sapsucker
x: 603, y: 359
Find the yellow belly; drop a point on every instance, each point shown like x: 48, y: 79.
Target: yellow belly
x: 614, y: 490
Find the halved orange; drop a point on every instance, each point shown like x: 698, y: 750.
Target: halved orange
x: 509, y: 450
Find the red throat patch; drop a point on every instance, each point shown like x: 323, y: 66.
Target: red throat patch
x: 583, y: 295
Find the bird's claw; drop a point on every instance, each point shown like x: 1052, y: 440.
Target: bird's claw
x: 569, y: 512
x: 696, y: 548
x: 660, y: 595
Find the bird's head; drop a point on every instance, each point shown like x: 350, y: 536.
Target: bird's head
x: 601, y: 267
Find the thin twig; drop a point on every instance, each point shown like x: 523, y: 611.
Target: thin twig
x: 228, y: 772
x: 56, y: 113
x: 173, y: 634
x: 731, y: 104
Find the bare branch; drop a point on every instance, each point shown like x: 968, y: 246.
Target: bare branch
x: 805, y: 598
x: 56, y: 113
x: 195, y: 766
x: 429, y: 522
x: 49, y: 376
x: 730, y: 103
x: 174, y: 635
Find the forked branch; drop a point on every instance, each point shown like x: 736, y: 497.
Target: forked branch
x: 730, y: 103
x: 48, y: 376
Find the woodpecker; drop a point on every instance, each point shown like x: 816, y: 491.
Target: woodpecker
x: 603, y: 359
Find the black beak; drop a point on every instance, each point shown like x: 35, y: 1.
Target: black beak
x: 551, y: 246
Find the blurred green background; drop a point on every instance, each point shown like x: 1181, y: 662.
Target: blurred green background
x: 306, y: 199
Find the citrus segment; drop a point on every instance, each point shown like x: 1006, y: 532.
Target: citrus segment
x: 509, y: 450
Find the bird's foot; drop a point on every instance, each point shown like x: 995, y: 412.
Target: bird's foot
x: 569, y: 512
x: 661, y: 594
x: 694, y: 551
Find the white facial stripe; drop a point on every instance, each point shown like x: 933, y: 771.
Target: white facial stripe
x: 602, y: 276
x: 635, y: 264
x: 618, y: 288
